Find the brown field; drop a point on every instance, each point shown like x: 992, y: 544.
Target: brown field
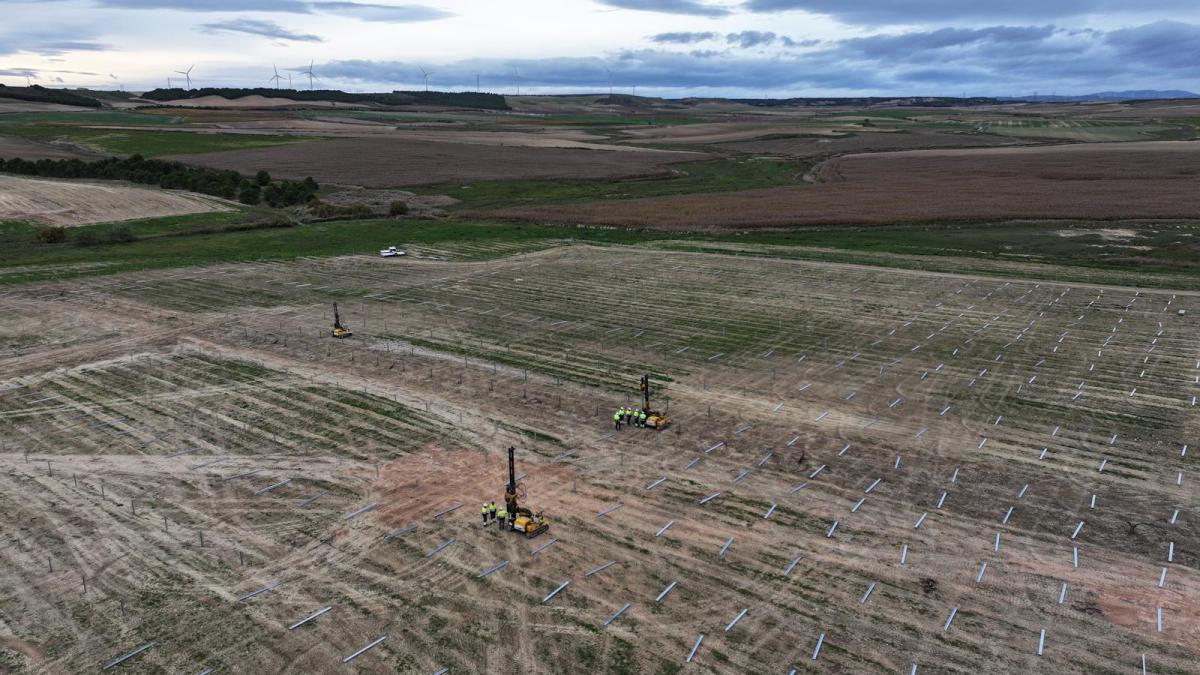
x: 387, y: 162
x: 58, y: 202
x: 1086, y: 181
x: 723, y: 132
x: 172, y: 442
x: 801, y: 146
x: 25, y: 148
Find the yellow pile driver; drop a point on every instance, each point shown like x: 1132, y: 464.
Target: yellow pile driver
x: 339, y: 331
x: 654, y: 420
x: 524, y: 521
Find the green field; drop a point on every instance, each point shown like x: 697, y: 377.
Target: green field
x: 86, y: 118
x: 1087, y: 131
x: 719, y: 175
x: 147, y: 143
x: 1169, y: 252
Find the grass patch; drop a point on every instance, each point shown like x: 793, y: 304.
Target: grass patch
x: 85, y: 118
x: 147, y: 143
x: 1171, y: 251
x: 721, y: 175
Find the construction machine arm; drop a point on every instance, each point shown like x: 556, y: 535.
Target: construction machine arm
x: 510, y: 492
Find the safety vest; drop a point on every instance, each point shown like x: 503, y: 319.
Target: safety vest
x: 485, y: 508
x: 492, y: 508
x: 616, y: 416
x: 502, y: 513
x: 643, y: 415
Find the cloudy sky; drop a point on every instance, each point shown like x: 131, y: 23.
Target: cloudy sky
x: 663, y: 47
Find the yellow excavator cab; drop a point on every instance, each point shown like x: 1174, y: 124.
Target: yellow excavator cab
x: 657, y: 421
x: 525, y: 522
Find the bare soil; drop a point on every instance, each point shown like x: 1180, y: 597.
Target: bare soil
x: 1088, y: 181
x: 11, y: 146
x: 866, y: 142
x: 69, y: 203
x: 388, y: 162
x: 380, y: 201
x: 180, y: 439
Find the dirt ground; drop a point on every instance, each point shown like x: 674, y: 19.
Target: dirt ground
x: 869, y: 142
x: 11, y: 146
x: 380, y: 201
x: 68, y: 203
x: 1100, y: 181
x: 391, y: 162
x: 189, y: 461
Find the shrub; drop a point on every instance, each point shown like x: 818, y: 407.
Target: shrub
x: 324, y: 210
x: 398, y: 208
x: 250, y: 194
x: 121, y: 234
x: 51, y: 234
x: 262, y: 178
x: 88, y: 237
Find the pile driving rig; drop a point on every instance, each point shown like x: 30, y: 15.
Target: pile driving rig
x: 654, y: 420
x: 339, y: 331
x: 524, y: 520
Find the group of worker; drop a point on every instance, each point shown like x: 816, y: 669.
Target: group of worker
x: 491, y: 514
x: 627, y: 415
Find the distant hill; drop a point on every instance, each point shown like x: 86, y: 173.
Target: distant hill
x: 40, y: 94
x: 863, y: 101
x: 1129, y: 95
x: 451, y: 99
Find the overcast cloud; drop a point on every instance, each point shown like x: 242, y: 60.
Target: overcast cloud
x: 663, y: 47
x: 253, y: 27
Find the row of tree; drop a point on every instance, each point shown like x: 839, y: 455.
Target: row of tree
x: 173, y: 175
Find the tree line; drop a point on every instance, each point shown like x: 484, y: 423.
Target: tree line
x: 173, y: 175
x: 45, y: 95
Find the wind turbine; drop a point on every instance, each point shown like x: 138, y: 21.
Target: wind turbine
x: 311, y: 75
x: 426, y: 75
x: 169, y: 86
x: 289, y: 80
x: 276, y: 77
x: 517, y: 72
x: 610, y: 81
x: 188, y: 74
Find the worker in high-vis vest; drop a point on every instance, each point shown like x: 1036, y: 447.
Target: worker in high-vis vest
x: 492, y: 511
x: 642, y: 418
x: 502, y: 514
x: 485, y: 514
x: 617, y: 420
